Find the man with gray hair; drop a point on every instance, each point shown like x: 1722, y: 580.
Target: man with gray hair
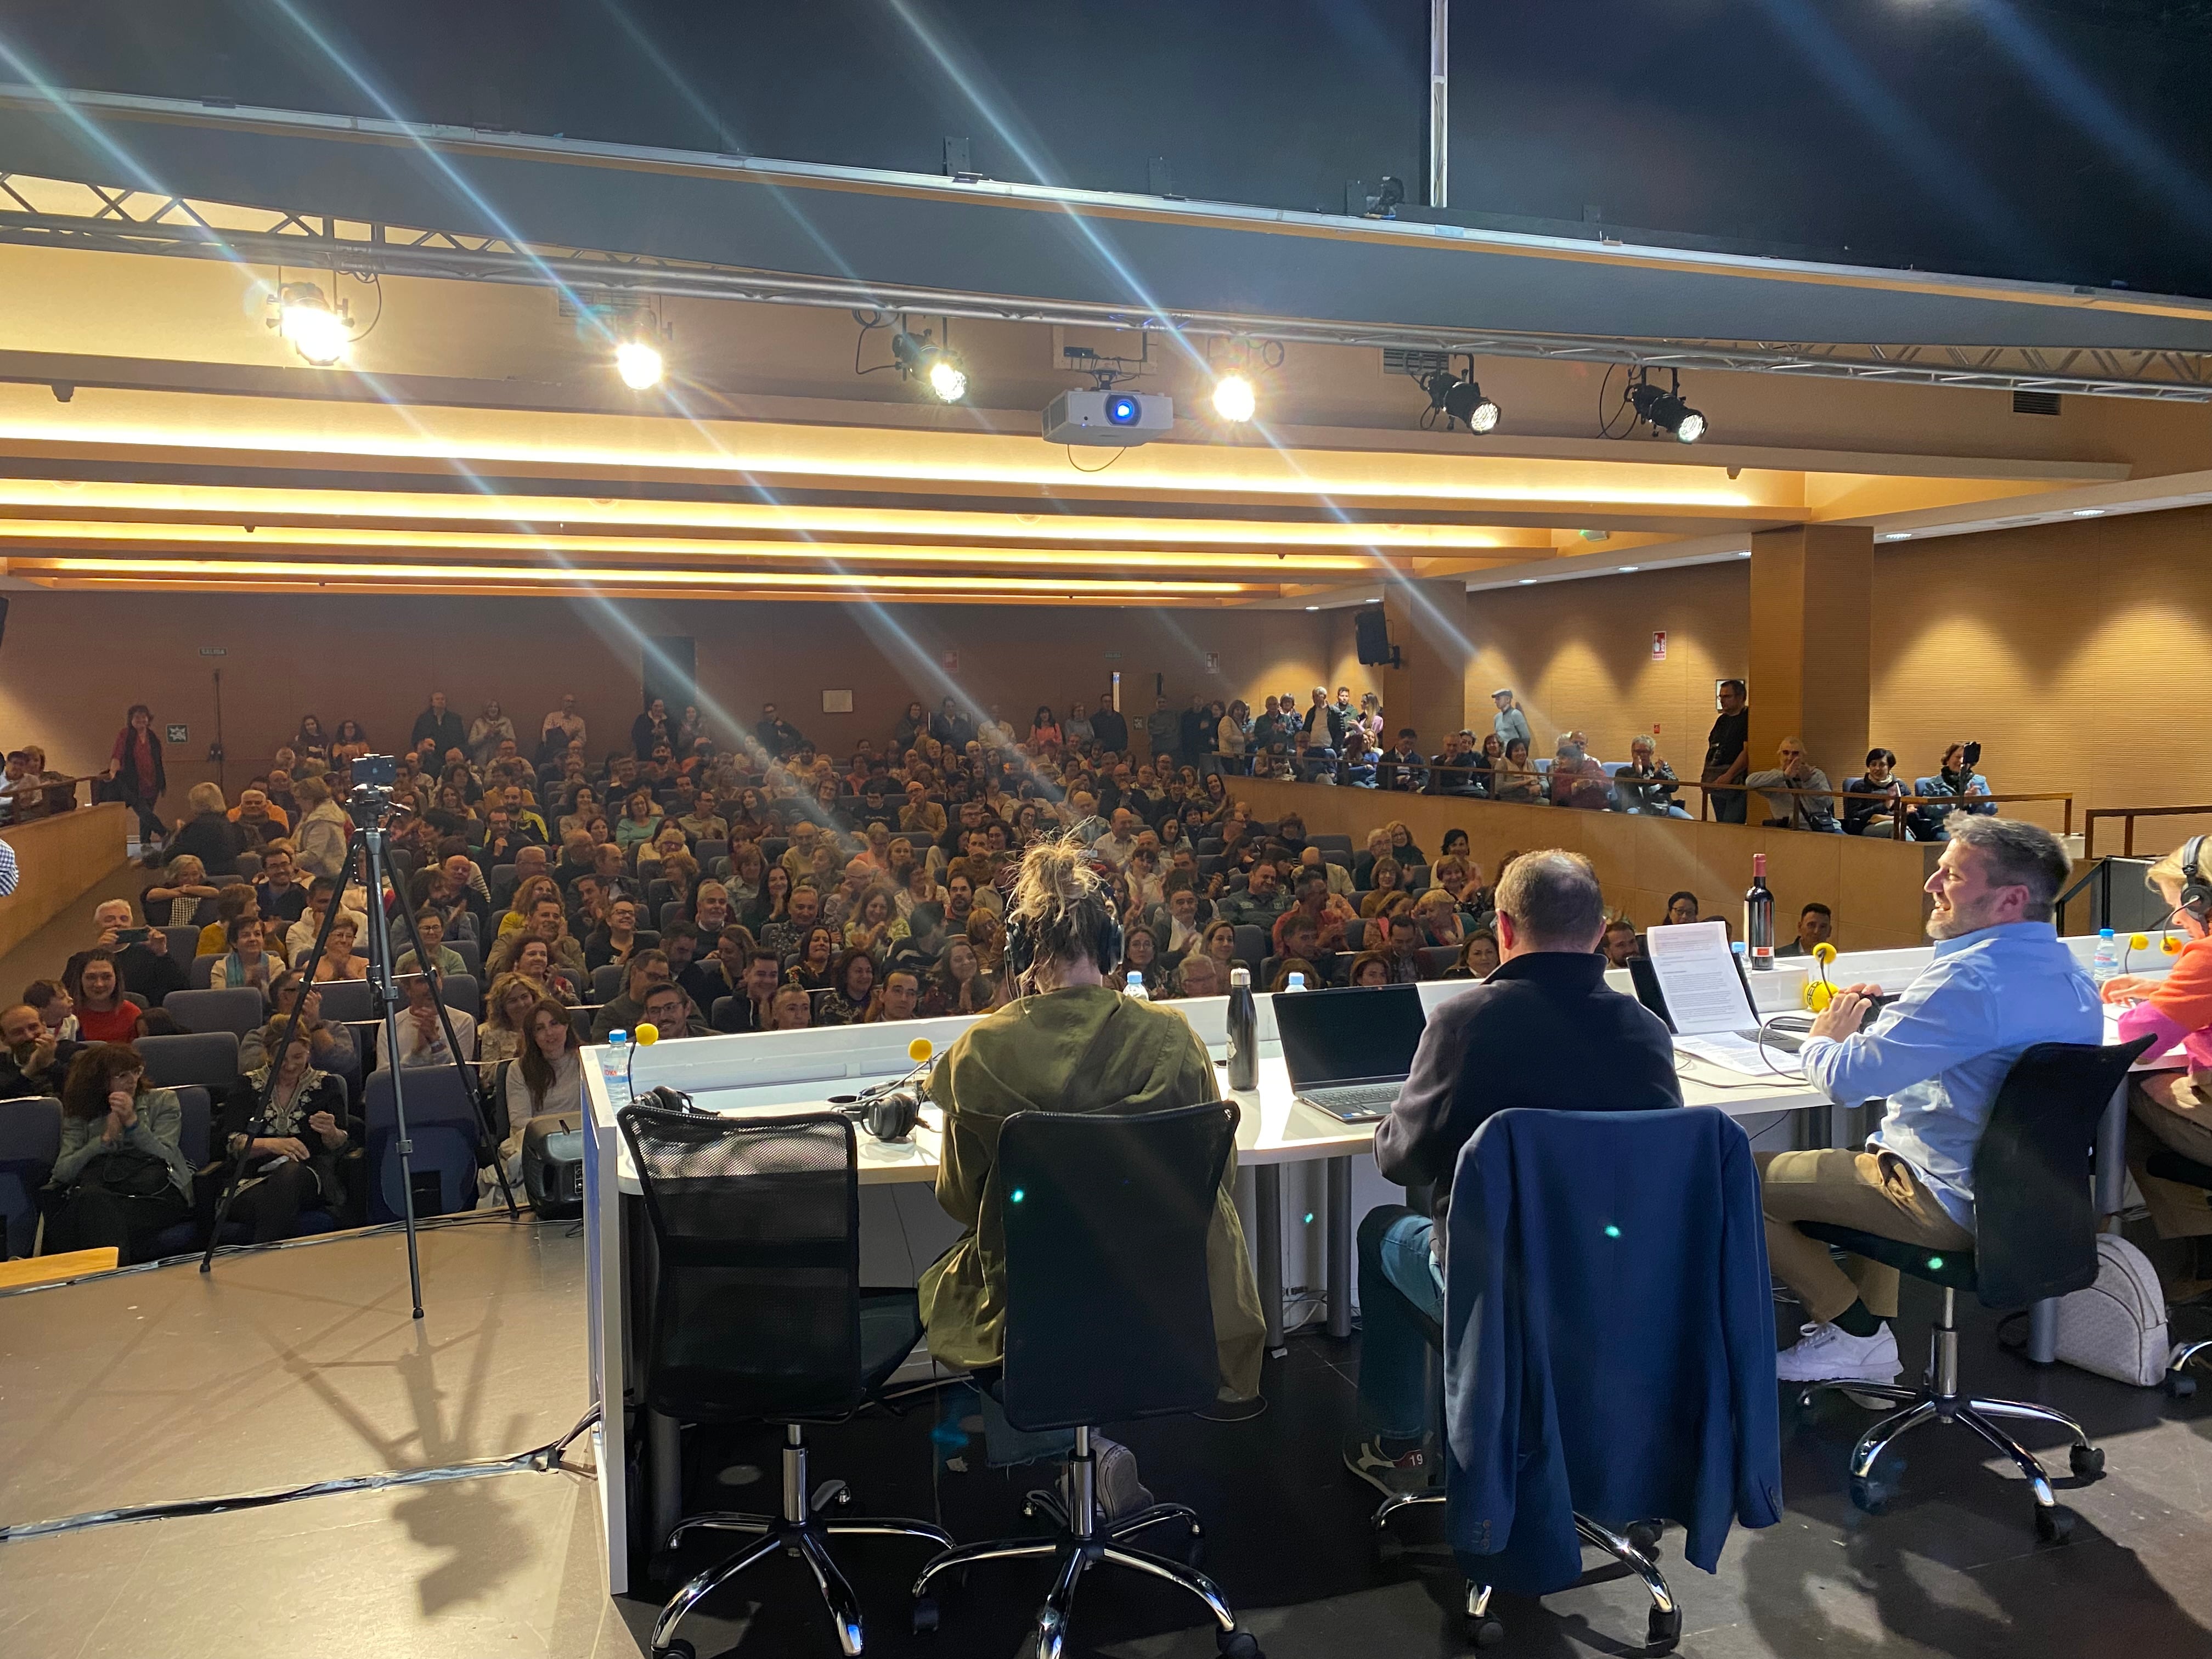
x: 1543, y: 1030
x: 1999, y: 982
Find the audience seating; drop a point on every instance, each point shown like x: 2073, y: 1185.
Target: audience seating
x: 346, y: 1002
x: 606, y: 982
x: 183, y: 942
x: 782, y: 1349
x: 470, y: 953
x: 2035, y: 1236
x: 30, y: 1141
x: 445, y: 1131
x: 464, y: 991
x: 239, y: 1012
x: 1252, y: 946
x: 206, y: 1059
x: 1355, y: 932
x: 672, y: 911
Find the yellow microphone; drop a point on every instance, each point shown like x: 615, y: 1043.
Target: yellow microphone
x: 646, y: 1033
x: 2138, y: 942
x: 919, y: 1050
x: 1819, y: 993
x: 2170, y: 945
x: 1824, y: 953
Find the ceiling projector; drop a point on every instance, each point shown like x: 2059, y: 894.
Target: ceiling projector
x: 1120, y: 419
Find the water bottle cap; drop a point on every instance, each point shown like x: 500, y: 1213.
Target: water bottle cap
x: 2104, y: 932
x: 617, y: 1039
x: 1240, y: 975
x: 1136, y: 976
x: 1295, y: 982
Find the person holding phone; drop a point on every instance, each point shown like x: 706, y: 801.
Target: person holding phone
x: 1950, y: 790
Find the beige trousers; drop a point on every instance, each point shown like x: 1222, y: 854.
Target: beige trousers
x: 1873, y: 1192
x: 2174, y: 1109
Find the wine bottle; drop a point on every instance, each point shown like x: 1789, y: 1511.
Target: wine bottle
x: 1759, y: 918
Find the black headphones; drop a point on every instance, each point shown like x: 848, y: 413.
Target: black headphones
x: 891, y: 1115
x: 2195, y: 895
x: 668, y: 1100
x: 1021, y: 949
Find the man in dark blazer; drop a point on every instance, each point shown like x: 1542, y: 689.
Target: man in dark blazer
x: 1543, y: 1030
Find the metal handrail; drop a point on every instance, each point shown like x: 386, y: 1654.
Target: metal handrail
x: 2128, y: 815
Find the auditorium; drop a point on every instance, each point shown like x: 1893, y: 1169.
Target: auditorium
x: 1122, y: 829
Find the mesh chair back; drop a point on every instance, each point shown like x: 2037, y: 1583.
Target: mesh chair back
x: 237, y: 1012
x: 30, y: 1141
x: 209, y: 1058
x: 443, y: 1126
x: 755, y: 1288
x: 2035, y: 1222
x: 1109, y: 1314
x: 345, y: 1001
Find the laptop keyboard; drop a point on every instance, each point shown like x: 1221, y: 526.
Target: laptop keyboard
x: 1375, y: 1098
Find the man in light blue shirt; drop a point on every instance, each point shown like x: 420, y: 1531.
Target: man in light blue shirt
x: 1508, y: 722
x: 2000, y: 982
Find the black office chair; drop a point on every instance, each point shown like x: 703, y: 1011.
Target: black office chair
x: 2169, y: 1165
x: 1108, y: 1317
x: 758, y: 1315
x: 2035, y: 1236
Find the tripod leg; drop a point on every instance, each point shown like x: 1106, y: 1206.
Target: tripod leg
x: 374, y: 844
x: 292, y: 1025
x: 424, y: 965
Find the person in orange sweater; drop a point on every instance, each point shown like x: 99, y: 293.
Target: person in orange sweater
x: 2174, y: 1109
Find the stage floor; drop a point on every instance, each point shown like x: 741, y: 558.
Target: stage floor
x: 302, y: 1364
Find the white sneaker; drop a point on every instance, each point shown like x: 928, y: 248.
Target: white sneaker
x: 1829, y: 1353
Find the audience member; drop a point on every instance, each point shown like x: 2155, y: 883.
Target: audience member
x: 422, y: 1025
x: 793, y: 1009
x: 1681, y: 907
x: 245, y: 963
x: 286, y: 1135
x: 1509, y: 721
x: 208, y: 835
x: 1506, y: 1043
x: 104, y: 1012
x: 1647, y: 784
x: 1951, y: 793
x: 1515, y: 778
x: 1863, y: 816
x: 121, y: 1178
x: 2000, y: 982
x: 669, y: 1012
x: 1800, y: 810
x: 330, y: 1048
x: 1728, y: 754
x: 36, y: 1059
x: 2166, y: 1109
x: 136, y: 766
x: 440, y: 728
x: 319, y: 841
x: 1619, y: 944
x: 1816, y: 924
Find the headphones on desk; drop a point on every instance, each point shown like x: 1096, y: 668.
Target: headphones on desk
x: 890, y: 1110
x: 668, y: 1100
x: 2196, y: 894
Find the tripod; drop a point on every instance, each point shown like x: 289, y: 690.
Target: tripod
x: 372, y: 808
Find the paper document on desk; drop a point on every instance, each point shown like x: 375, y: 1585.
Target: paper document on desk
x: 1697, y: 974
x: 1735, y: 1053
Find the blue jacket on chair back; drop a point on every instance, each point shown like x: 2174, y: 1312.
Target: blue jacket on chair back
x: 1608, y: 1338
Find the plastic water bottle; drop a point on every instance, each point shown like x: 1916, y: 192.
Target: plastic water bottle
x: 1243, y: 1031
x: 1295, y: 982
x: 2108, y: 964
x: 614, y: 1066
x: 1136, y: 991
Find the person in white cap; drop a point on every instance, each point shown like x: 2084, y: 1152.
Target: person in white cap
x: 1509, y: 723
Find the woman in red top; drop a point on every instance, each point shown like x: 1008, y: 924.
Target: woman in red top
x: 104, y: 1014
x: 2173, y: 1108
x: 136, y: 766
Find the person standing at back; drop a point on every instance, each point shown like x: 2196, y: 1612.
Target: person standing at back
x: 1070, y: 1043
x: 1509, y: 723
x: 1728, y: 752
x: 1542, y: 1030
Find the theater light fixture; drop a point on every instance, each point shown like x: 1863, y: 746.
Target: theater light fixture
x: 1664, y: 408
x: 638, y: 356
x: 1458, y: 397
x: 1237, y: 361
x: 938, y: 366
x: 1234, y: 398
x: 318, y: 330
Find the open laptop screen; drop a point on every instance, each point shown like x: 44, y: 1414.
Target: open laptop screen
x: 1366, y: 1034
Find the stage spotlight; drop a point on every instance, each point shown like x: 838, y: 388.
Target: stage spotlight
x: 1234, y: 398
x: 639, y: 364
x: 1459, y: 399
x: 319, y: 332
x: 938, y: 366
x: 1665, y: 408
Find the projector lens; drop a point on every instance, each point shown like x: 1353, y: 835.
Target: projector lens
x: 1121, y: 410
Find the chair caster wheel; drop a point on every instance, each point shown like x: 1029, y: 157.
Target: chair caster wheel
x: 2180, y: 1384
x: 1869, y: 1496
x: 678, y: 1649
x: 2054, y: 1524
x: 1237, y: 1643
x: 828, y: 1493
x: 2087, y: 1461
x: 1663, y: 1631
x: 1485, y: 1631
x: 925, y: 1615
x: 1645, y: 1535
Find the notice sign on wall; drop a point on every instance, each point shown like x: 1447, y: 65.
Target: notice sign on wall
x: 176, y: 733
x: 1659, y: 646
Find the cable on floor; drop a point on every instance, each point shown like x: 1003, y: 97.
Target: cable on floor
x: 540, y: 1459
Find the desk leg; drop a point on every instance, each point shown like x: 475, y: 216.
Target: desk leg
x: 1340, y: 1248
x: 2112, y: 1155
x: 664, y: 1459
x: 1268, y: 1207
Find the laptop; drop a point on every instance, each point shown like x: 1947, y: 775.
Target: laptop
x: 1645, y: 978
x: 1348, y: 1052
